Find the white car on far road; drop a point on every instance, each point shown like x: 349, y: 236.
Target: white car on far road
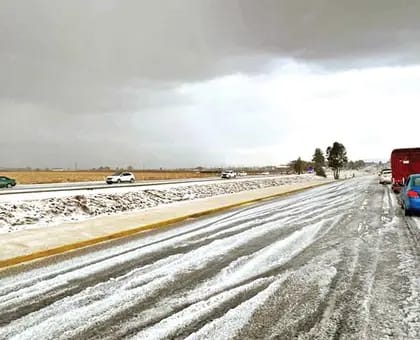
x: 385, y: 177
x: 121, y: 177
x: 228, y: 174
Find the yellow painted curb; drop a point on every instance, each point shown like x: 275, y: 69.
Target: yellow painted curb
x: 130, y: 232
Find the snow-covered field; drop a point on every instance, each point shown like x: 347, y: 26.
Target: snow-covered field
x: 22, y: 211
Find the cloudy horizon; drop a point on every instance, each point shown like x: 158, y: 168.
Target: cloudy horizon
x: 205, y: 83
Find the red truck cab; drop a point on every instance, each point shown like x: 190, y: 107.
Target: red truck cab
x: 404, y: 162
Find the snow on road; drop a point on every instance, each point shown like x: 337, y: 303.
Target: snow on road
x: 335, y: 262
x: 22, y: 211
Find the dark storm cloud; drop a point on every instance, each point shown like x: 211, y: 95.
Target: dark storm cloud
x: 70, y: 51
x: 60, y: 59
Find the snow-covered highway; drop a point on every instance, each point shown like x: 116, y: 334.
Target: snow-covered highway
x: 79, y: 186
x: 334, y: 262
x: 76, y: 187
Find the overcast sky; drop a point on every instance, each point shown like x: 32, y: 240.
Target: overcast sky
x: 184, y: 83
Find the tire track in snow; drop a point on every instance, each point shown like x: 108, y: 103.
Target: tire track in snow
x: 139, y: 324
x: 97, y: 271
x: 338, y: 315
x: 271, y: 257
x: 96, y: 305
x: 218, y: 276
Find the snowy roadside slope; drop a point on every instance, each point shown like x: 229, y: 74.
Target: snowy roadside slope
x: 19, y: 213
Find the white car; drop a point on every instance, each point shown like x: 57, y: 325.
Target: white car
x: 228, y: 174
x: 121, y: 177
x: 242, y: 173
x: 385, y: 177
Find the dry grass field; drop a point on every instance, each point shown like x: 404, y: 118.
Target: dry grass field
x: 38, y: 177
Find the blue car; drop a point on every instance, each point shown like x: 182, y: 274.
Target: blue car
x: 410, y: 195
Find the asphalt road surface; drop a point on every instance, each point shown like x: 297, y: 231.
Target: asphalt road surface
x: 79, y: 186
x: 54, y: 187
x: 335, y: 262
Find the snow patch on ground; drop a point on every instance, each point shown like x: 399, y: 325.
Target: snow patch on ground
x: 169, y: 327
x: 414, y: 223
x: 16, y: 215
x: 234, y: 320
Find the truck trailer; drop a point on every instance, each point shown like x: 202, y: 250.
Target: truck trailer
x: 404, y: 162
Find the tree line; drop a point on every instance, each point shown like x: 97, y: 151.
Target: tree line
x: 335, y: 158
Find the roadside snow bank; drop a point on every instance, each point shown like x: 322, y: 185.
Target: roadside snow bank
x: 18, y: 215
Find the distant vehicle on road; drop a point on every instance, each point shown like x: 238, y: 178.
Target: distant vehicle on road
x: 121, y: 177
x: 242, y: 173
x: 385, y: 176
x: 265, y: 173
x: 404, y: 162
x: 410, y: 195
x: 228, y: 174
x: 6, y: 182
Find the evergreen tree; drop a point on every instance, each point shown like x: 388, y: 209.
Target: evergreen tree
x: 319, y: 162
x: 297, y: 166
x: 318, y: 157
x: 337, y: 158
